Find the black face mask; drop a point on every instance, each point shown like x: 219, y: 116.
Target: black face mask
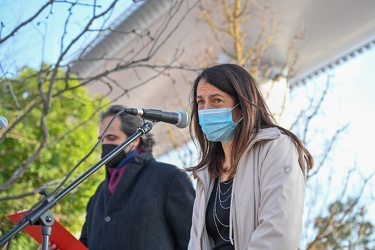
x: 106, y: 149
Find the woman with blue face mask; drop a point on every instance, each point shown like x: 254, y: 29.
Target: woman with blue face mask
x: 251, y: 174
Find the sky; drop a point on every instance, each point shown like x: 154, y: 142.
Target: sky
x: 350, y: 100
x: 355, y: 103
x: 41, y: 41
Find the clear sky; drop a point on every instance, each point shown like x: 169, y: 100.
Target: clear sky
x: 42, y: 39
x: 350, y: 101
x: 355, y: 102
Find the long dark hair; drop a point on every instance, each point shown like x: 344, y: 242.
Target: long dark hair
x: 242, y: 87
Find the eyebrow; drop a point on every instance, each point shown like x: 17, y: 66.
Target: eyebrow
x: 210, y: 96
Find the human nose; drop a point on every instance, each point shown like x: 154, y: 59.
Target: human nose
x: 207, y: 106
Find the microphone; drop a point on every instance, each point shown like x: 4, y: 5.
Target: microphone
x: 3, y: 122
x: 181, y: 118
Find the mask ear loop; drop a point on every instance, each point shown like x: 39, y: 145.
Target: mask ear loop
x: 235, y: 106
x: 241, y: 116
x: 240, y: 120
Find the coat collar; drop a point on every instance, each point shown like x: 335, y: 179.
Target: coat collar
x: 262, y: 134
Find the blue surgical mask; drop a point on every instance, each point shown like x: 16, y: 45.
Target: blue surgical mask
x: 218, y: 124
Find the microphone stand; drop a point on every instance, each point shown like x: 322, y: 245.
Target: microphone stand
x: 43, y: 216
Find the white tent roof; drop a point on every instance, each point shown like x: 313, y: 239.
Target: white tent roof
x: 333, y: 31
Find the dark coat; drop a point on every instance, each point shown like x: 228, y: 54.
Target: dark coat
x: 151, y: 208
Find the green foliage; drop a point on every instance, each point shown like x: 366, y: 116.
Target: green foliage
x: 345, y: 227
x: 72, y: 124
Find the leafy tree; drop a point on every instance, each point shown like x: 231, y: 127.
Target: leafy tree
x: 53, y: 136
x: 344, y: 227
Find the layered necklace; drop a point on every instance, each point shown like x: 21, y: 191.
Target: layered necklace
x: 222, y: 205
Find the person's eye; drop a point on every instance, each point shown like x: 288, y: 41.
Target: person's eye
x: 217, y: 101
x: 200, y: 102
x: 111, y: 138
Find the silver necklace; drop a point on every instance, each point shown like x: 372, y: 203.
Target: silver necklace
x: 218, y: 198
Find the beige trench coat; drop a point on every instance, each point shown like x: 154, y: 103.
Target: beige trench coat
x: 267, y: 197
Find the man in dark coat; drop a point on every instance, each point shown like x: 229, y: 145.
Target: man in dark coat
x: 142, y: 203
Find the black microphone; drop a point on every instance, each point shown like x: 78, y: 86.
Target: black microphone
x: 3, y: 122
x: 181, y: 118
